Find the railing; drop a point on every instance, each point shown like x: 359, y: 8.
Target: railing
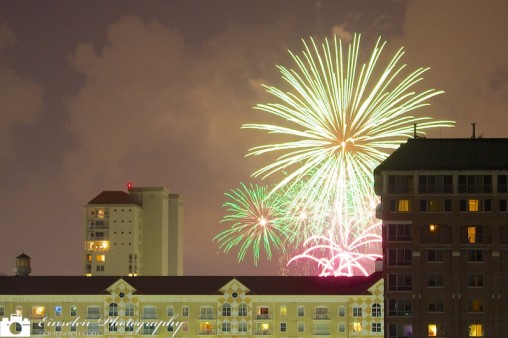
x: 476, y: 239
x: 206, y: 316
x: 207, y: 332
x: 263, y: 316
x: 321, y: 316
x: 321, y: 332
x: 93, y: 315
x: 436, y: 239
x: 148, y: 316
x: 401, y: 313
x: 37, y: 330
x: 263, y: 332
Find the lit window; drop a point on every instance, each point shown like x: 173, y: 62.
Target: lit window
x: 58, y: 310
x: 475, y: 305
x: 283, y: 311
x: 205, y: 328
x: 404, y: 206
x: 473, y: 205
x: 357, y: 327
x: 432, y: 227
x: 471, y: 234
x: 101, y: 258
x: 476, y: 330
x: 38, y: 312
x: 432, y: 330
x: 262, y: 312
x: 263, y: 328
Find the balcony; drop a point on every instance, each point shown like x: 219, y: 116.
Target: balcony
x: 148, y: 316
x: 476, y: 239
x: 321, y: 316
x: 436, y: 239
x: 321, y: 332
x: 262, y: 332
x: 206, y: 332
x: 93, y: 315
x: 206, y: 316
x: 263, y: 316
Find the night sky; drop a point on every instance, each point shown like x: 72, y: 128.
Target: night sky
x: 95, y: 94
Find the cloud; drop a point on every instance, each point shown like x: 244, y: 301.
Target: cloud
x: 464, y: 44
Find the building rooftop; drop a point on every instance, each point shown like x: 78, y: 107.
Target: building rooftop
x: 188, y: 285
x: 448, y: 154
x: 113, y: 197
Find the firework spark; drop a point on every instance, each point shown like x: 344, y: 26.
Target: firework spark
x: 255, y: 222
x: 342, y: 122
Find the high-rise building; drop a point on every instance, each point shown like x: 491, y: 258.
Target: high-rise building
x: 139, y: 232
x: 445, y: 238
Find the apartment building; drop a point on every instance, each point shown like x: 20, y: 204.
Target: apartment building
x: 193, y: 306
x: 138, y: 232
x: 445, y: 238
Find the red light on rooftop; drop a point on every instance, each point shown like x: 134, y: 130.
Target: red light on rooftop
x: 129, y: 186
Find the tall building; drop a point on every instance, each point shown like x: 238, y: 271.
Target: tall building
x: 445, y: 238
x: 139, y: 232
x: 193, y: 306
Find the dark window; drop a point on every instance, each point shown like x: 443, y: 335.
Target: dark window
x: 400, y: 282
x: 399, y: 232
x: 399, y: 257
x: 435, y: 280
x: 475, y: 280
x: 400, y: 184
x: 436, y: 305
x: 502, y: 205
x: 435, y: 255
x: 400, y: 307
x: 502, y: 183
x: 435, y: 184
x: 476, y: 255
x: 475, y: 184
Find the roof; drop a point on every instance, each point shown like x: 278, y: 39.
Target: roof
x: 188, y: 285
x: 113, y: 197
x: 448, y: 154
x: 23, y: 255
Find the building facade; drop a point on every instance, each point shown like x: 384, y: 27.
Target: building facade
x: 139, y: 232
x: 195, y: 306
x: 445, y: 238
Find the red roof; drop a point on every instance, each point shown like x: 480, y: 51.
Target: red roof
x: 188, y: 285
x: 113, y: 197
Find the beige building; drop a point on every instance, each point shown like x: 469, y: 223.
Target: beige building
x: 194, y: 306
x: 139, y: 232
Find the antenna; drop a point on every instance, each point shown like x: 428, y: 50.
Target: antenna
x: 474, y: 130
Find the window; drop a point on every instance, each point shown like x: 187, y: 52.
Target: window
x: 400, y: 307
x: 399, y: 232
x: 93, y: 312
x: 204, y: 328
x: 471, y: 234
x: 376, y: 327
x: 301, y: 327
x: 148, y: 329
x: 149, y: 312
x: 93, y: 329
x: 74, y: 327
x: 357, y: 327
x: 129, y: 310
x: 99, y: 268
x: 185, y: 311
x: 206, y: 312
x: 432, y: 328
x: 435, y: 184
x: 2, y: 311
x: 113, y: 309
x: 301, y: 311
x: 38, y: 312
x: 502, y: 183
x: 400, y: 184
x: 321, y: 312
x: 502, y: 205
x: 400, y: 282
x: 112, y: 327
x: 185, y: 327
x: 58, y: 311
x: 321, y: 328
x: 435, y: 255
x: 226, y: 310
x: 435, y: 280
x: 400, y: 257
x: 283, y: 310
x: 263, y: 328
x: 58, y: 327
x: 472, y: 184
x: 342, y: 327
x: 403, y: 205
x: 242, y: 310
x: 170, y: 311
x: 475, y: 205
x: 100, y: 258
x: 475, y: 255
x: 436, y: 305
x: 226, y: 327
x: 357, y: 311
x: 342, y: 311
x: 476, y: 330
x: 283, y: 327
x: 435, y: 205
x: 376, y: 310
x: 262, y: 312
x: 475, y: 280
x: 475, y: 305
x: 242, y: 327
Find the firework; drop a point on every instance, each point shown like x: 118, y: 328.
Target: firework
x: 254, y: 219
x: 341, y: 122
